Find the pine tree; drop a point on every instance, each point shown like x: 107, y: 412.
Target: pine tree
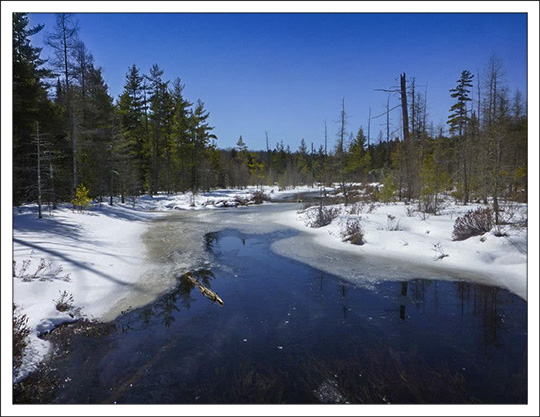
x: 202, y: 140
x: 181, y: 136
x: 458, y: 121
x: 160, y: 113
x: 81, y: 199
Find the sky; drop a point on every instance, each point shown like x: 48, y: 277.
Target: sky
x: 286, y: 74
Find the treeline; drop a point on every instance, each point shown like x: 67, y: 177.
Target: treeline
x: 153, y: 139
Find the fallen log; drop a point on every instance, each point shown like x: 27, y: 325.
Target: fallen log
x: 211, y: 295
x: 207, y: 292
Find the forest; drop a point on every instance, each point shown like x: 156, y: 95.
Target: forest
x: 68, y: 131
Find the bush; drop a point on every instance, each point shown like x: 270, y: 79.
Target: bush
x: 260, y: 196
x: 391, y: 223
x: 429, y: 205
x: 81, y: 200
x: 410, y: 210
x: 499, y: 231
x: 65, y: 302
x: 356, y: 208
x: 241, y: 201
x: 352, y: 231
x: 20, y: 337
x: 473, y: 223
x: 45, y: 271
x: 513, y: 214
x: 321, y: 216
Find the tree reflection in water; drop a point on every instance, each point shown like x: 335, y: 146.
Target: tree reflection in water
x: 487, y: 305
x: 479, y: 304
x: 164, y: 309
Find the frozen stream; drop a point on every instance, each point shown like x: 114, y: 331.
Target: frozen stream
x: 300, y: 324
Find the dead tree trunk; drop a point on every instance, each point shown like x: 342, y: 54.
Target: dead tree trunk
x: 406, y: 138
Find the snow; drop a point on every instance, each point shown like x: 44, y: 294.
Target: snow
x: 102, y: 256
x: 500, y: 261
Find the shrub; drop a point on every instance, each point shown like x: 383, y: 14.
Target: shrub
x: 352, y: 231
x: 242, y: 201
x: 65, y: 302
x: 499, y: 231
x: 473, y: 223
x: 260, y: 196
x: 410, y: 210
x: 45, y: 271
x: 321, y: 216
x: 428, y: 204
x: 356, y: 208
x: 513, y: 214
x: 20, y: 337
x: 391, y: 223
x: 81, y: 200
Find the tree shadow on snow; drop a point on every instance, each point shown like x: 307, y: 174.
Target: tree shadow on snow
x: 77, y: 264
x: 29, y: 223
x: 123, y: 213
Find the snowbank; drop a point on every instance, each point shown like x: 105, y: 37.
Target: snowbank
x: 93, y: 256
x: 422, y: 240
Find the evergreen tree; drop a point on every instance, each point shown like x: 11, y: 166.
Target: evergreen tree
x: 458, y: 121
x: 358, y: 160
x: 202, y: 140
x: 459, y: 117
x: 64, y: 40
x: 30, y: 106
x: 160, y: 112
x: 132, y: 121
x: 97, y: 148
x: 181, y: 136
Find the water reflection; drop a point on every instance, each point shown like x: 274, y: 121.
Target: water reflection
x: 488, y: 305
x: 346, y: 309
x: 477, y: 306
x: 404, y: 286
x: 164, y: 309
x: 210, y: 239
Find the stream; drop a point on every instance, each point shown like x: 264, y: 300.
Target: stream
x: 300, y: 324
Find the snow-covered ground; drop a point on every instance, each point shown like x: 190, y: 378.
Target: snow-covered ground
x: 102, y: 255
x: 396, y: 231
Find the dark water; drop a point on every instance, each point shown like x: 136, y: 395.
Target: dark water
x: 289, y: 333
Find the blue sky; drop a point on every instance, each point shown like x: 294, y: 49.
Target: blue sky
x: 287, y: 73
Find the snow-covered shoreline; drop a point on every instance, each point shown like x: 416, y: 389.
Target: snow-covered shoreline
x: 419, y: 239
x: 102, y: 253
